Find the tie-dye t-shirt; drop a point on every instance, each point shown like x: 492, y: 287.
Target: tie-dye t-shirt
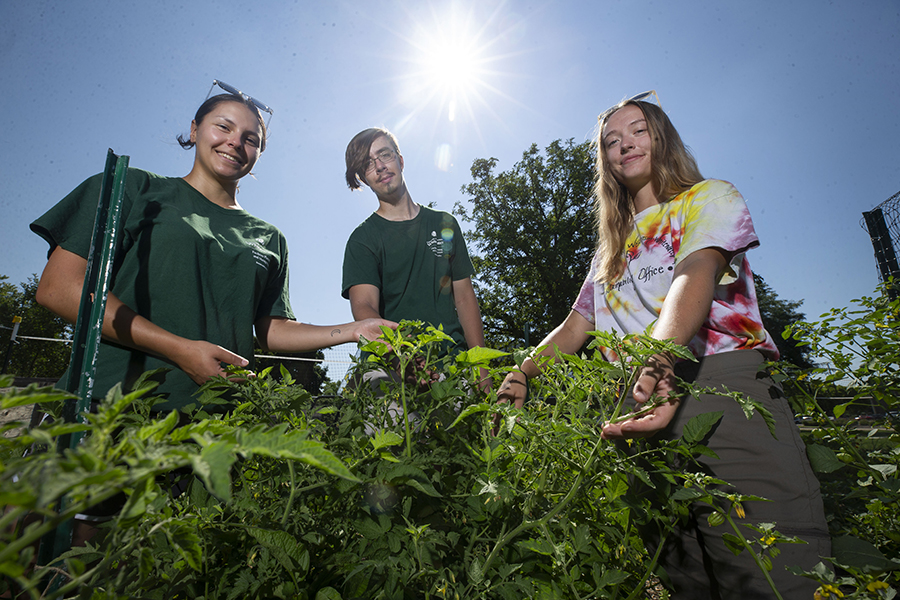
x: 712, y: 214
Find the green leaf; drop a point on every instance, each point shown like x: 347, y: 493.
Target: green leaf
x: 187, y: 542
x: 616, y: 487
x: 473, y: 409
x: 479, y: 355
x: 733, y: 543
x: 384, y: 439
x: 283, y: 546
x: 539, y: 546
x: 294, y: 445
x: 213, y: 466
x: 612, y: 577
x: 328, y: 593
x: 823, y: 459
x: 854, y: 552
x: 684, y: 493
x: 697, y: 428
x: 413, y: 477
x: 475, y: 572
x: 159, y: 430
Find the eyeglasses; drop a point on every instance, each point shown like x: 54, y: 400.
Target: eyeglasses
x: 236, y: 92
x: 385, y: 155
x: 636, y: 98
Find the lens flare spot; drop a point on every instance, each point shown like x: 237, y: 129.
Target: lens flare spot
x: 442, y: 157
x: 447, y: 234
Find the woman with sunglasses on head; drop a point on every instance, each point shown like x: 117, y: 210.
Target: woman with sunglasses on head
x: 671, y: 256
x: 194, y: 273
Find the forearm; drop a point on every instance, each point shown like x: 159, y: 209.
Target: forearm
x: 567, y: 338
x: 364, y: 301
x: 278, y: 334
x: 469, y: 313
x: 690, y: 297
x: 284, y: 335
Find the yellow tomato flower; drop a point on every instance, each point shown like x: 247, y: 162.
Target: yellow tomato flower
x: 828, y: 591
x: 877, y: 585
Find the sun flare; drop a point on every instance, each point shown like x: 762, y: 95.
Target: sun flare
x: 451, y: 63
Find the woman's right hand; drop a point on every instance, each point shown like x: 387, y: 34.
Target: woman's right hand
x: 203, y: 360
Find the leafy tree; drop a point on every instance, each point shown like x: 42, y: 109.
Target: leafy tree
x: 32, y: 358
x: 777, y: 315
x: 534, y: 234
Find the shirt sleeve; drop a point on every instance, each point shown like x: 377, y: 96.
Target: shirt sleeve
x: 361, y: 265
x: 584, y: 303
x: 716, y: 216
x: 460, y: 262
x: 276, y: 299
x: 70, y: 223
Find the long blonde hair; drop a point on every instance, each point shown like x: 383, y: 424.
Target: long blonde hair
x: 673, y: 169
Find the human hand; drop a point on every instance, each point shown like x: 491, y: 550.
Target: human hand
x: 513, y: 389
x: 484, y: 380
x: 370, y: 329
x: 657, y: 377
x: 202, y: 360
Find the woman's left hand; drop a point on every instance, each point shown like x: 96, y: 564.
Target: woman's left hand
x: 657, y: 377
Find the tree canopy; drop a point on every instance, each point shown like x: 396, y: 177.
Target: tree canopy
x: 534, y: 236
x: 777, y: 314
x: 31, y: 358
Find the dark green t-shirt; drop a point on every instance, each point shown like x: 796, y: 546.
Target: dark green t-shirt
x: 413, y: 263
x: 195, y: 269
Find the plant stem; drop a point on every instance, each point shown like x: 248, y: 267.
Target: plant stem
x: 749, y: 548
x: 293, y: 494
x: 525, y: 526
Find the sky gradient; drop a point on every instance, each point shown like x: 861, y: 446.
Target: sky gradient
x: 792, y: 102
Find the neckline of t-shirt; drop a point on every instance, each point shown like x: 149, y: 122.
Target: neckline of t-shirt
x: 415, y: 218
x: 209, y: 203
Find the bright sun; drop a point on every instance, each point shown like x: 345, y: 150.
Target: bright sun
x: 453, y: 68
x: 450, y: 60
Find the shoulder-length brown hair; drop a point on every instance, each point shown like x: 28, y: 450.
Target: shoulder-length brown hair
x: 673, y: 169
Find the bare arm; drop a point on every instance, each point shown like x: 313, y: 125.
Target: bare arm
x: 470, y: 318
x: 364, y: 301
x: 278, y: 334
x: 684, y: 310
x: 59, y: 290
x: 569, y: 336
x: 469, y: 312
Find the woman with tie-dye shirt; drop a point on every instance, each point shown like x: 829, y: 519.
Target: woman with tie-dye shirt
x: 671, y: 257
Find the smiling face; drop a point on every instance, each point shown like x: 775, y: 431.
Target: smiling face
x: 386, y: 176
x: 626, y: 142
x: 228, y: 141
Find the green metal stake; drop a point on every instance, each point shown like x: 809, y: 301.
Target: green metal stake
x: 89, y: 326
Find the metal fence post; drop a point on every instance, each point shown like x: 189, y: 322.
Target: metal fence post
x: 89, y: 326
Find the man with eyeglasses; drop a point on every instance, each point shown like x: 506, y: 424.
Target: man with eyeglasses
x: 406, y: 261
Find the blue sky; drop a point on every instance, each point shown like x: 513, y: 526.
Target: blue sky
x: 793, y: 102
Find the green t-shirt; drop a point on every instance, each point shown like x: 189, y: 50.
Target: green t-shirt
x: 195, y: 269
x: 413, y: 264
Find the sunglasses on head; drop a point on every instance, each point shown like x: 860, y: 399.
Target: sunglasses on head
x: 236, y: 92
x: 638, y: 97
